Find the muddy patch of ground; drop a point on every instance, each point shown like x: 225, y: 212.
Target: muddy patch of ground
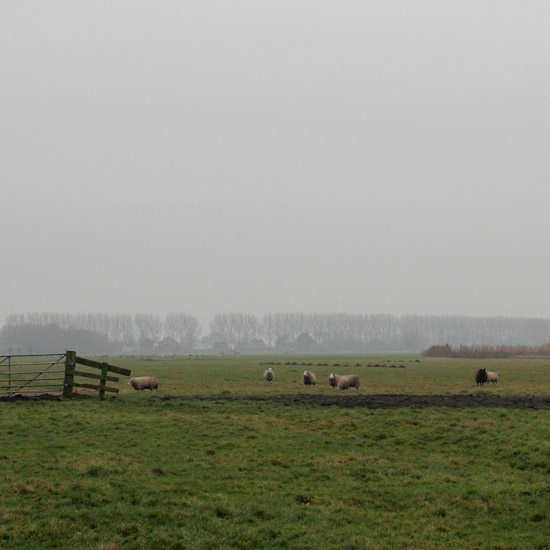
x: 374, y: 401
x: 50, y: 397
x: 20, y: 397
x: 385, y: 401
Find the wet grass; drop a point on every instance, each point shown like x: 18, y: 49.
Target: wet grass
x: 138, y: 472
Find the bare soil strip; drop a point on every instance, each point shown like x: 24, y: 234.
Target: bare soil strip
x: 385, y: 401
x: 349, y: 400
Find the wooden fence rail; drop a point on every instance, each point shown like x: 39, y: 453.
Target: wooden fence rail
x: 72, y: 360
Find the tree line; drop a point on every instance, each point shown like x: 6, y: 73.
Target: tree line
x: 486, y: 352
x: 282, y: 332
x: 377, y: 332
x: 99, y: 333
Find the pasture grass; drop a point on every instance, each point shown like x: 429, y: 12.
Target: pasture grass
x: 242, y: 375
x: 138, y: 472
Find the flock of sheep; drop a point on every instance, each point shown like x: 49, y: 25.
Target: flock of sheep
x: 309, y: 379
x: 342, y: 382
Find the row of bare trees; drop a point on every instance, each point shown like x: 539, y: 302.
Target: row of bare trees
x: 281, y: 331
x: 377, y: 332
x: 119, y: 332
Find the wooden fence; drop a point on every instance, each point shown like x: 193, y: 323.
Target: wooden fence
x: 72, y: 360
x: 54, y: 374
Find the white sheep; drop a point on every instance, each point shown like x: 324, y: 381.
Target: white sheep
x: 269, y: 375
x: 333, y: 379
x: 492, y: 377
x: 349, y: 381
x: 144, y: 383
x: 309, y: 378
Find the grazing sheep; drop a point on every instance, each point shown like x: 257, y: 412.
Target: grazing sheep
x: 349, y: 381
x: 144, y: 383
x: 269, y: 375
x: 481, y: 377
x: 309, y: 378
x: 492, y: 377
x: 333, y: 379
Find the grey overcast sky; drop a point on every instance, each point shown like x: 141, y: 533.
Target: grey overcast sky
x: 214, y: 156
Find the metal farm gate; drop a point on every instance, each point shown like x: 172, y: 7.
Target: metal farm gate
x: 32, y: 374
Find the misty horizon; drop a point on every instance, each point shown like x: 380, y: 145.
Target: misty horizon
x: 181, y: 333
x: 205, y: 323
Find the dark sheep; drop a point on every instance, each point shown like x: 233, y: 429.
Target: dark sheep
x: 481, y: 377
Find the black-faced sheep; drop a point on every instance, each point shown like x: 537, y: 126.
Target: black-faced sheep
x: 309, y: 378
x: 481, y: 377
x: 269, y: 375
x: 349, y: 381
x: 144, y: 383
x: 492, y: 377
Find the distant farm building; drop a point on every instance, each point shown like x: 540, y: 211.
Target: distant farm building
x: 169, y: 346
x: 304, y: 343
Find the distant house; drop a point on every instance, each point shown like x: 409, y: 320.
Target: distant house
x: 146, y: 346
x: 168, y: 346
x: 304, y: 343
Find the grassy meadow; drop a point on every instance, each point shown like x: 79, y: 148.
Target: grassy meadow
x: 137, y: 471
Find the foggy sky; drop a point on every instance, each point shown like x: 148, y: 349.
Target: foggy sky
x: 256, y: 156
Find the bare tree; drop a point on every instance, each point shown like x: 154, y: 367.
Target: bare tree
x: 149, y: 327
x: 234, y: 328
x: 122, y: 331
x: 184, y: 328
x: 222, y: 328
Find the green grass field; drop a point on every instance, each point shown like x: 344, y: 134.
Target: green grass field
x: 137, y: 471
x: 242, y: 375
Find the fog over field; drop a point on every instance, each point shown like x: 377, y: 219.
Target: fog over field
x: 262, y: 157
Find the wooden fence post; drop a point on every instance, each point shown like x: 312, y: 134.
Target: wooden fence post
x: 103, y: 380
x: 70, y: 365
